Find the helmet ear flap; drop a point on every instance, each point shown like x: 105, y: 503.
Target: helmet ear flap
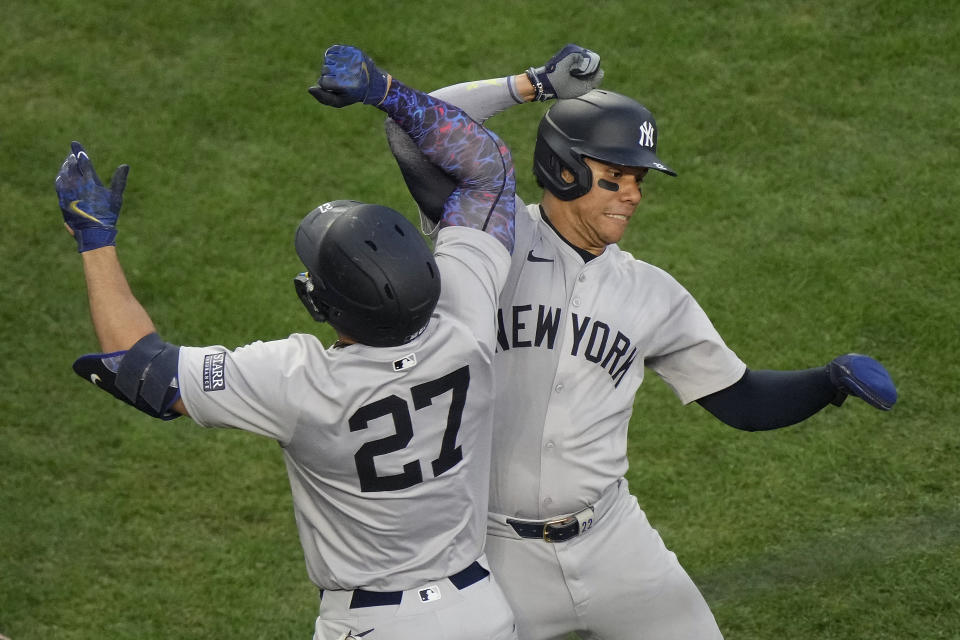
x: 305, y: 288
x: 552, y: 154
x: 582, y: 179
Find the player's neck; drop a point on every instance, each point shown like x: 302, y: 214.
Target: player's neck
x: 583, y: 253
x: 343, y: 341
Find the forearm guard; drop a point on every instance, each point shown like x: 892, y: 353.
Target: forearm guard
x: 145, y: 376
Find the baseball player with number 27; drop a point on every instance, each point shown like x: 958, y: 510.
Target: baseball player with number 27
x: 387, y: 434
x: 579, y: 321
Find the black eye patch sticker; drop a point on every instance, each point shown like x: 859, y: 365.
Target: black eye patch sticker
x: 606, y: 184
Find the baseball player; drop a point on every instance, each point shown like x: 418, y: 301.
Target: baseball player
x: 386, y: 435
x: 579, y: 322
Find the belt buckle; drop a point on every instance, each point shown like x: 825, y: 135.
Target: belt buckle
x: 562, y: 534
x: 560, y: 529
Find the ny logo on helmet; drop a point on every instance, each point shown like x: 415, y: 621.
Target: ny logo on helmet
x: 646, y: 134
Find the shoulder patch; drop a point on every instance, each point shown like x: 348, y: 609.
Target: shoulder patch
x: 214, y: 372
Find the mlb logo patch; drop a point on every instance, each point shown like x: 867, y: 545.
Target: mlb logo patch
x: 429, y: 594
x: 406, y: 362
x: 214, y: 372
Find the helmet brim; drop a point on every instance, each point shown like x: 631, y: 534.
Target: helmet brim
x: 641, y: 158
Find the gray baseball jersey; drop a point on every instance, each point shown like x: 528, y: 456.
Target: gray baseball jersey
x: 579, y: 335
x: 387, y: 449
x: 573, y: 341
x: 574, y: 338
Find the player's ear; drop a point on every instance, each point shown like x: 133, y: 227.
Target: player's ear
x: 567, y: 176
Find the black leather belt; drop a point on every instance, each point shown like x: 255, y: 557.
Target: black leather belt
x: 461, y: 580
x: 556, y: 530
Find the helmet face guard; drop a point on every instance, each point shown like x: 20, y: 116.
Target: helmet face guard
x: 602, y: 125
x: 369, y: 273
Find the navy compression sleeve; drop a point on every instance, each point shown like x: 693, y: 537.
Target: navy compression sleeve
x: 478, y: 160
x: 763, y: 400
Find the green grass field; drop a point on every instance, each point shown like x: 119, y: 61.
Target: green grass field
x: 815, y: 213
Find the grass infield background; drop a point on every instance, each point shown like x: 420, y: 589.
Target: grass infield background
x: 815, y: 214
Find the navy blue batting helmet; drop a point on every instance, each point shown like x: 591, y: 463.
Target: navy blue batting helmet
x: 370, y: 273
x: 602, y: 125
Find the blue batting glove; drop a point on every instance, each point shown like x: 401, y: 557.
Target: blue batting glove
x: 348, y: 75
x: 89, y: 208
x: 570, y: 73
x: 864, y: 377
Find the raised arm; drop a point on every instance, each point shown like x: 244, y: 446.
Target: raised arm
x: 478, y: 161
x: 571, y: 72
x: 90, y: 212
x: 136, y: 366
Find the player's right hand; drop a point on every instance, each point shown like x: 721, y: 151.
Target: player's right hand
x: 570, y: 73
x: 348, y: 75
x: 862, y: 376
x: 90, y: 209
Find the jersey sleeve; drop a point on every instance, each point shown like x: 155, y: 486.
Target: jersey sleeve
x: 250, y: 388
x: 481, y: 99
x: 689, y: 354
x: 473, y: 268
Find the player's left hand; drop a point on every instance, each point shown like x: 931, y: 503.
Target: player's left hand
x: 349, y: 75
x: 570, y: 73
x: 90, y: 209
x: 862, y: 376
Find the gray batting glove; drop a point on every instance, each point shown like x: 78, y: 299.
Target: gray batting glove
x: 570, y: 73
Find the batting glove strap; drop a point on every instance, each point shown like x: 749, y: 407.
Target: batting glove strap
x: 862, y: 376
x: 540, y: 84
x: 95, y: 238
